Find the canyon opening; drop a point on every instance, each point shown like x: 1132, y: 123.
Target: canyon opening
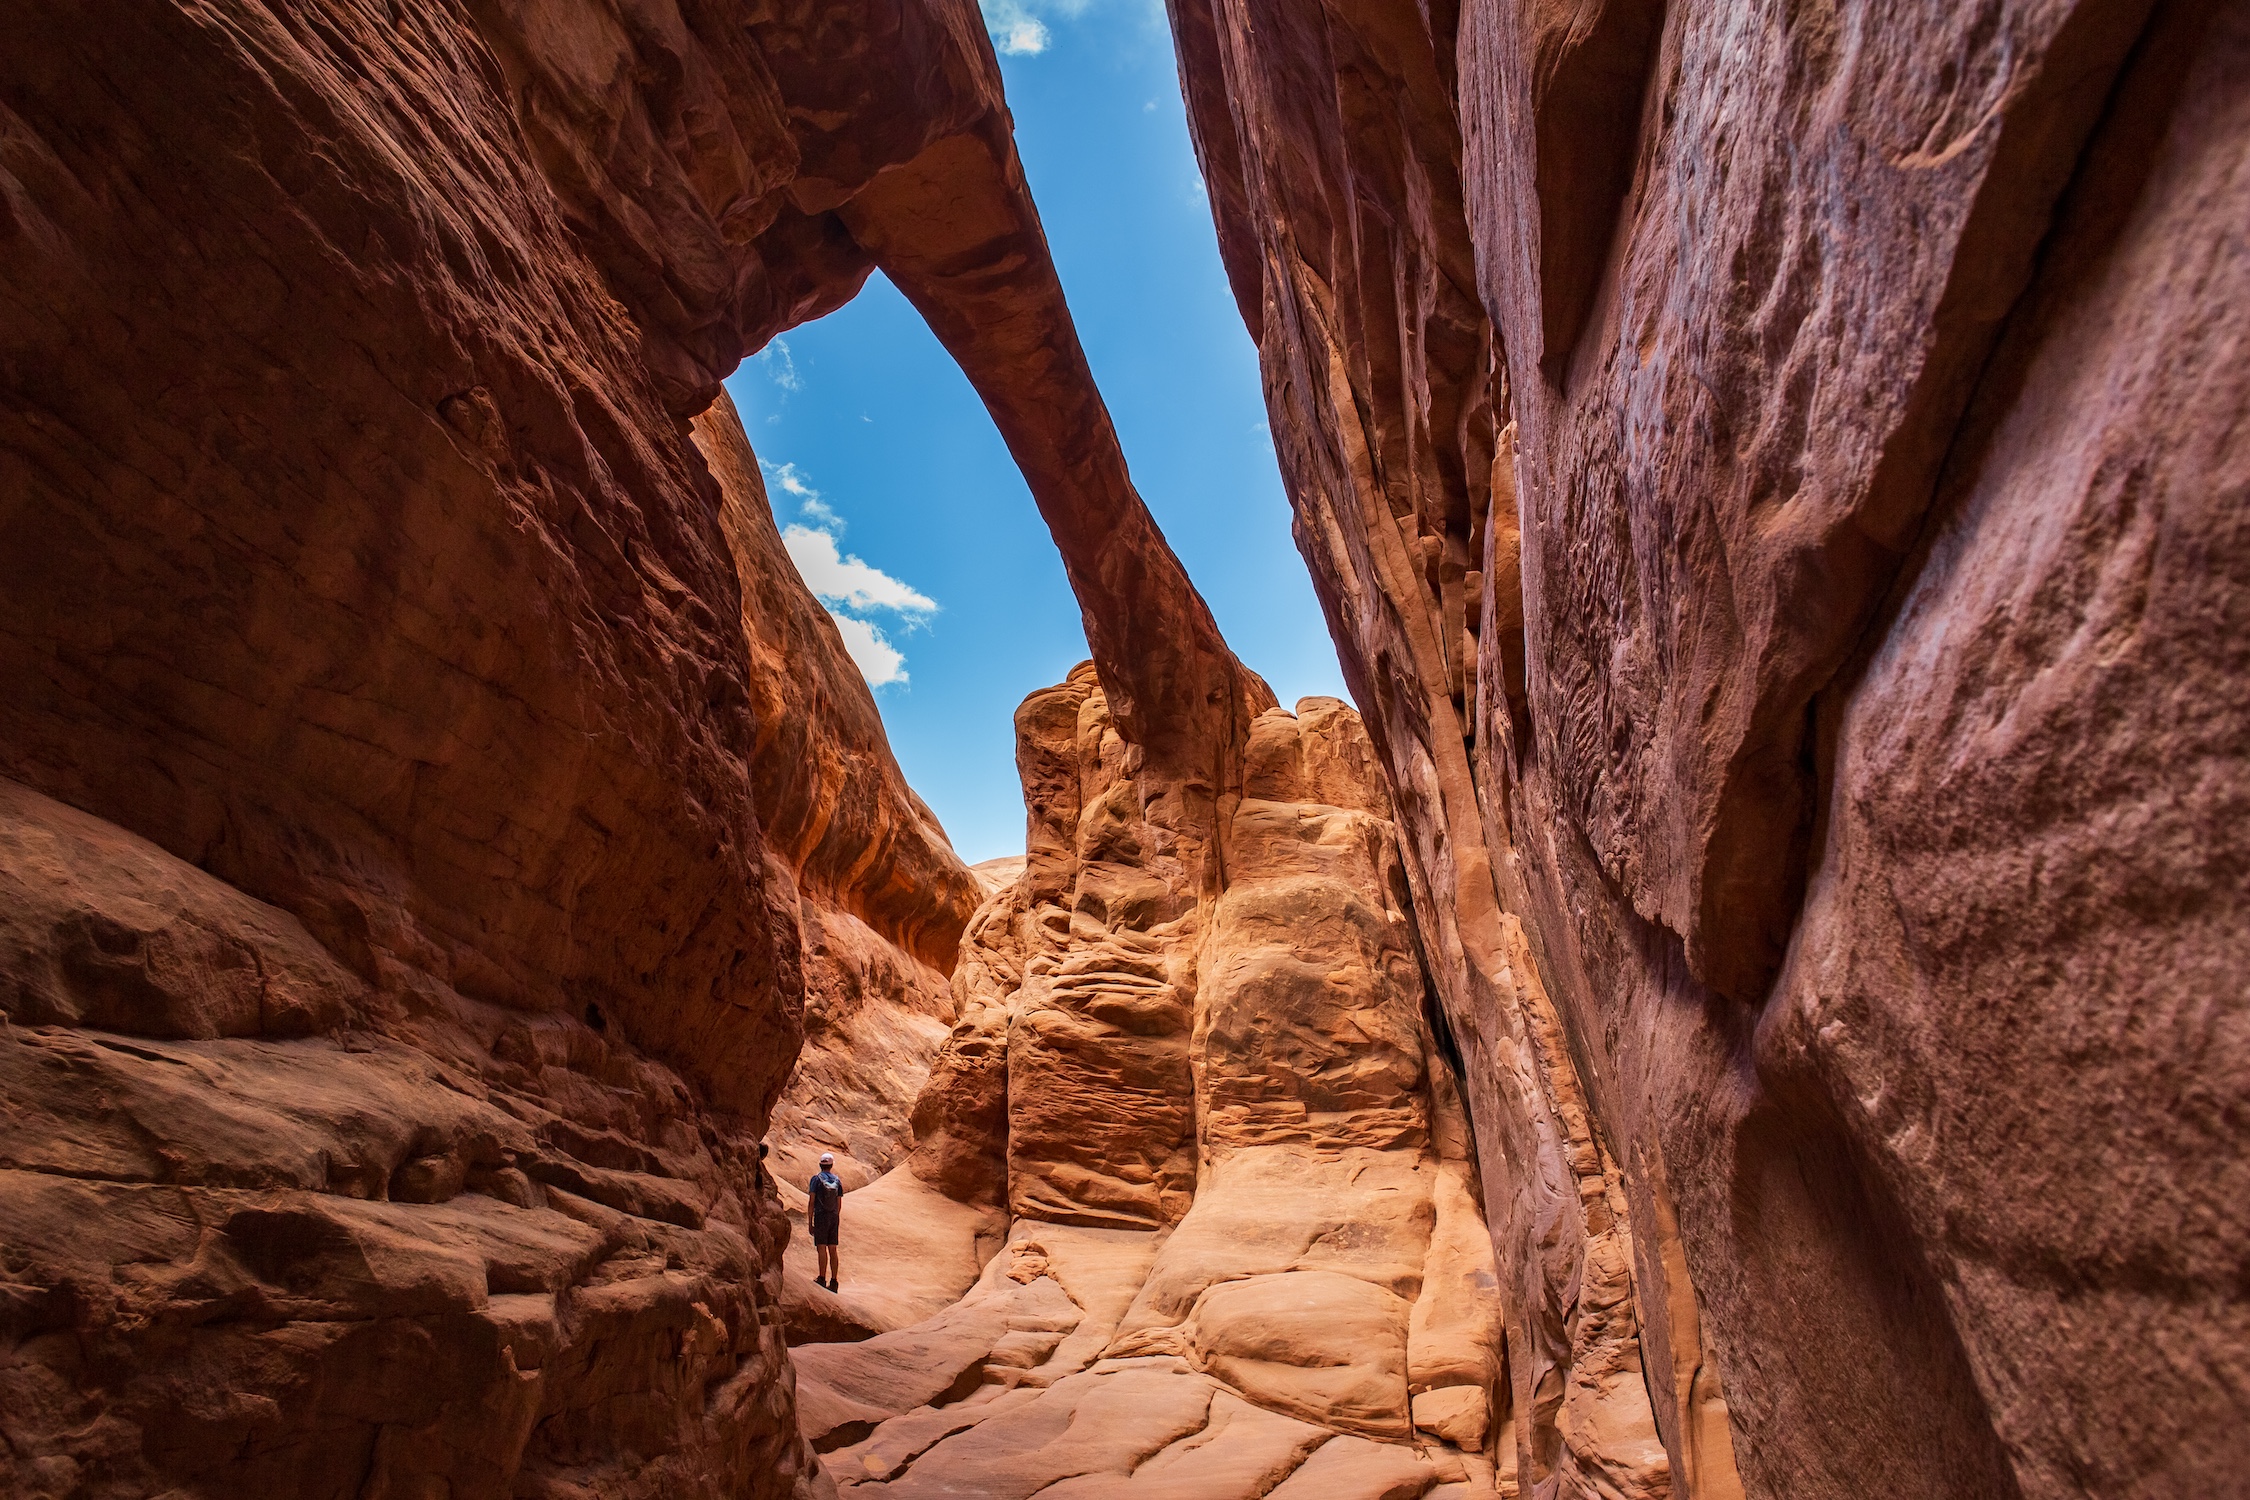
x: 1741, y: 994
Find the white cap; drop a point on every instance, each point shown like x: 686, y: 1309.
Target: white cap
x: 827, y: 1158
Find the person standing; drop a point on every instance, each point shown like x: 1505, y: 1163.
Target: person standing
x: 824, y: 1211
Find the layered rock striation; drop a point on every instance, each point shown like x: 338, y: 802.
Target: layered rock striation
x: 880, y: 897
x: 1756, y: 1008
x: 274, y: 1229
x: 433, y: 815
x: 1232, y: 1237
x: 1774, y: 475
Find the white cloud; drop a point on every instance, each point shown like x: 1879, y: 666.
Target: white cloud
x: 842, y: 579
x: 786, y: 477
x: 843, y: 582
x: 1016, y: 32
x: 877, y: 659
x: 790, y: 480
x: 783, y: 369
x: 1024, y: 28
x: 1019, y: 27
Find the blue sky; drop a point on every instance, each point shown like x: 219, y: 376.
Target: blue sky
x: 899, y: 500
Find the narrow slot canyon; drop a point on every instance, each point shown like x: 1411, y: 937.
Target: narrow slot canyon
x: 1191, y: 1205
x: 1747, y: 999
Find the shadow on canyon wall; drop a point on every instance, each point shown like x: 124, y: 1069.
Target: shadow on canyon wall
x: 1754, y: 1007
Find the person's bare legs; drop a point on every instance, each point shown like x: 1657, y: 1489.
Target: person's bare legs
x: 827, y: 1263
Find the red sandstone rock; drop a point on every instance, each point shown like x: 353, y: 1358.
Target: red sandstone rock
x: 1751, y: 458
x: 1225, y: 1134
x: 363, y: 586
x: 1774, y: 478
x: 881, y: 898
x: 355, y: 555
x: 334, y: 1234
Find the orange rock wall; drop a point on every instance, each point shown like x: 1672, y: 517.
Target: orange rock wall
x: 271, y: 1229
x: 1197, y: 1069
x: 1775, y: 478
x: 879, y: 896
x: 446, y: 817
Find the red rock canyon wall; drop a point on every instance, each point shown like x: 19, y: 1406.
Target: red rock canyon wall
x: 1231, y: 1243
x: 432, y: 810
x: 880, y: 897
x: 1776, y: 477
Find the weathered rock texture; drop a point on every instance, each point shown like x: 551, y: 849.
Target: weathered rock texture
x: 272, y: 1229
x: 1195, y: 1068
x: 1775, y: 472
x: 1776, y: 477
x: 881, y: 897
x: 428, y: 802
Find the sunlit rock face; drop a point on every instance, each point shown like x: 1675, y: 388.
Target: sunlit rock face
x: 1232, y: 1235
x: 431, y: 812
x: 415, y: 1238
x: 880, y: 896
x: 1775, y: 476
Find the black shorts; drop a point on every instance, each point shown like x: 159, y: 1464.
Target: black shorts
x: 824, y: 1236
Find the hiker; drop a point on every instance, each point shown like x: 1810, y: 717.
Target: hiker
x: 824, y: 1209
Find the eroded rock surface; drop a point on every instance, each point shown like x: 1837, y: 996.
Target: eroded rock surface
x: 881, y: 899
x: 434, y: 814
x: 1195, y: 1069
x: 272, y: 1229
x: 1775, y: 475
